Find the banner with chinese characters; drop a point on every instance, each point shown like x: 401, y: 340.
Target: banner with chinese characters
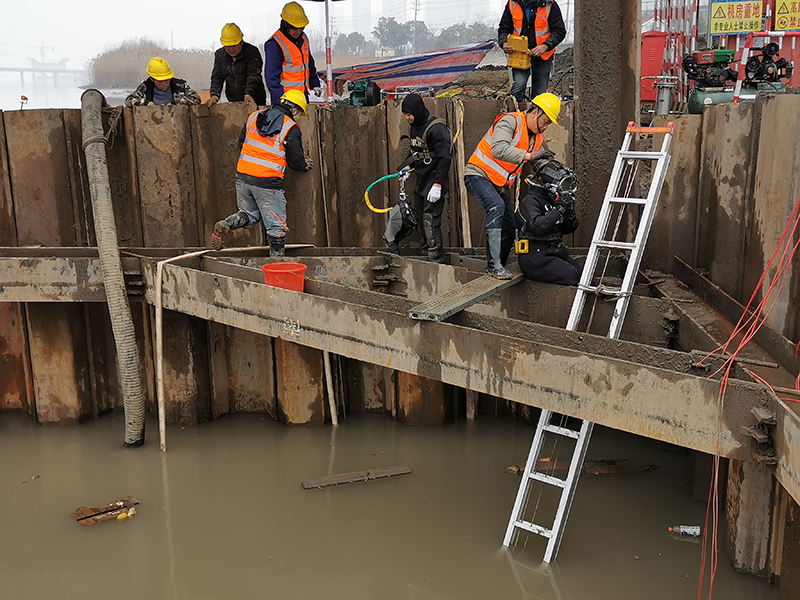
x: 787, y: 15
x: 736, y: 17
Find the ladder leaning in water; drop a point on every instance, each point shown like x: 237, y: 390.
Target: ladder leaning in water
x: 604, y: 240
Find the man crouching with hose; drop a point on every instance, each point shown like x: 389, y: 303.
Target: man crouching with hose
x: 543, y: 217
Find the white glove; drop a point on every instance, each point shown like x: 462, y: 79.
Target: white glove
x: 317, y: 91
x: 435, y: 193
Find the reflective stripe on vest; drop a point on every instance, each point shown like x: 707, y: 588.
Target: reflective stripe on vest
x: 541, y: 25
x: 294, y: 71
x: 263, y: 156
x: 501, y: 172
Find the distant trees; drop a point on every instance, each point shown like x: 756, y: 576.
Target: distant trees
x: 350, y: 43
x: 414, y: 36
x: 124, y: 67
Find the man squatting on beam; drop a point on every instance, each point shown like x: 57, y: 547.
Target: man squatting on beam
x: 270, y: 141
x: 513, y: 139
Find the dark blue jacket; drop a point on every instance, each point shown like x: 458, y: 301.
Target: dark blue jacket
x: 273, y: 65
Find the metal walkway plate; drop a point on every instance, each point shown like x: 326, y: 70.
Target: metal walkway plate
x: 457, y: 299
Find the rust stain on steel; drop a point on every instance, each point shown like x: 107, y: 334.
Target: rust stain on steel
x: 300, y: 382
x: 364, y: 162
x: 37, y: 158
x: 657, y: 403
x: 59, y: 362
x: 13, y: 354
x: 419, y: 400
x: 166, y: 176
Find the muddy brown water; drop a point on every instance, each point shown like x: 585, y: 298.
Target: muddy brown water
x: 223, y: 516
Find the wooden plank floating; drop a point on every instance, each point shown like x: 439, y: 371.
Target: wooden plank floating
x: 355, y: 477
x: 89, y: 515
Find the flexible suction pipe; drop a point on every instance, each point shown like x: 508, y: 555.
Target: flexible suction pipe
x: 130, y: 366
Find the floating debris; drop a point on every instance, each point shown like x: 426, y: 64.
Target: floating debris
x: 120, y: 510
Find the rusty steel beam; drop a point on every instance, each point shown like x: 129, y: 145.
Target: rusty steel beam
x: 62, y: 278
x: 650, y: 401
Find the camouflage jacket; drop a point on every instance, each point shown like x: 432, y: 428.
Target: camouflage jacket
x: 181, y: 93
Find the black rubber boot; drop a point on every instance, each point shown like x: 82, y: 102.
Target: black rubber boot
x: 392, y: 247
x: 277, y: 247
x: 493, y: 265
x: 237, y: 220
x: 433, y: 238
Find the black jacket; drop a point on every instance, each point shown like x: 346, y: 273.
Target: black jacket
x: 292, y: 143
x: 556, y: 22
x: 240, y: 75
x: 439, y: 141
x: 539, y: 219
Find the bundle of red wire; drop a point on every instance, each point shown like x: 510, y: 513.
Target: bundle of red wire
x: 749, y: 324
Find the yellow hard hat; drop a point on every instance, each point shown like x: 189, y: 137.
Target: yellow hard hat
x: 159, y: 69
x: 296, y: 97
x: 231, y: 35
x: 294, y: 15
x: 550, y: 104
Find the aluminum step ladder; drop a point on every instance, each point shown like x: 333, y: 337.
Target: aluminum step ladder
x: 559, y: 428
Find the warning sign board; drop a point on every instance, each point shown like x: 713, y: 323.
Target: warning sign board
x: 737, y: 16
x: 787, y: 15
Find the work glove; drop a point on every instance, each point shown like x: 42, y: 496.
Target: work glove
x: 249, y: 99
x: 317, y: 91
x: 129, y: 102
x: 565, y: 203
x: 542, y: 153
x: 213, y: 100
x: 309, y: 164
x: 151, y: 103
x: 435, y: 193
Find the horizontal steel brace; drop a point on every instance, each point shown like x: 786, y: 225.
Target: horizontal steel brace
x: 656, y: 403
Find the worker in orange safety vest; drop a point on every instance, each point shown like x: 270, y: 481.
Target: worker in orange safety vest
x: 270, y: 141
x: 541, y: 21
x: 513, y: 139
x: 288, y: 63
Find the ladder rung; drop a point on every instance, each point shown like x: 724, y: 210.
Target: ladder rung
x: 563, y: 430
x: 618, y: 200
x: 616, y: 245
x: 534, y: 528
x: 640, y: 155
x: 548, y: 479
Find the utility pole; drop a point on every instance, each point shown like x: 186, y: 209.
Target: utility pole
x: 416, y: 12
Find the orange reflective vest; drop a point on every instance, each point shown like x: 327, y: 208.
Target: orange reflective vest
x: 540, y: 25
x: 501, y: 172
x: 264, y: 156
x: 294, y: 72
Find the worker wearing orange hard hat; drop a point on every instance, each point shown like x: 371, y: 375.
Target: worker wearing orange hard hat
x: 270, y: 142
x: 237, y: 68
x: 288, y: 63
x: 161, y: 87
x: 513, y: 139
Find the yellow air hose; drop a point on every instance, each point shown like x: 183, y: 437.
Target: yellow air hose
x: 377, y: 181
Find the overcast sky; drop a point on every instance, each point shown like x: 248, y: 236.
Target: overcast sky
x: 80, y: 29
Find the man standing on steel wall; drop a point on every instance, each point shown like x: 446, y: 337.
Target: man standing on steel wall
x: 512, y: 140
x: 270, y: 141
x: 542, y: 23
x: 288, y: 64
x: 430, y: 144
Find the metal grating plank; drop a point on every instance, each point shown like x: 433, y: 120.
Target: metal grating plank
x: 457, y: 299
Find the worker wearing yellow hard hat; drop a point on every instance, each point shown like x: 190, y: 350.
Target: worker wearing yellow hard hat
x: 513, y: 139
x: 270, y: 141
x: 288, y: 63
x: 161, y: 87
x: 237, y: 68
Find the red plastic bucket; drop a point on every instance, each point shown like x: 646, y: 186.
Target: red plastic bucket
x: 286, y: 275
